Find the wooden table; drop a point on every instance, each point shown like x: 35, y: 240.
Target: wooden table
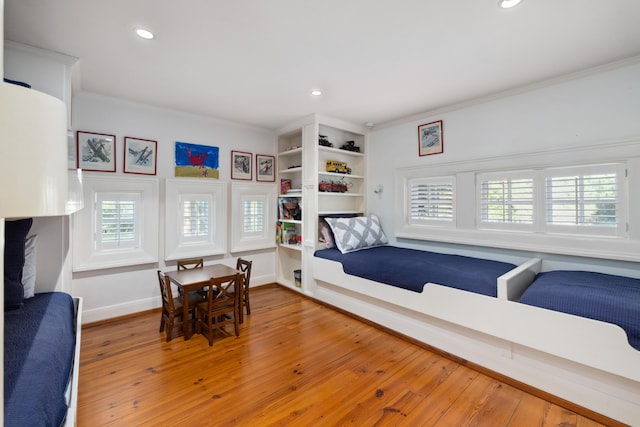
x: 198, y: 278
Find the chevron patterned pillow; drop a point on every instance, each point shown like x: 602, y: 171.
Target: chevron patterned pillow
x: 352, y: 234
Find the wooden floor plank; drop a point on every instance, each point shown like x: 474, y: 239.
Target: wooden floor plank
x: 296, y: 362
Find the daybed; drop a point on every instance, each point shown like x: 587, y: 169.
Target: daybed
x: 41, y: 341
x: 585, y: 361
x: 605, y: 297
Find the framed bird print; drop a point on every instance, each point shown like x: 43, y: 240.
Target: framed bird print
x: 140, y: 156
x: 96, y: 151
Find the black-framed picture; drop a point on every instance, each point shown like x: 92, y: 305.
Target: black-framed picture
x: 96, y: 151
x: 266, y: 168
x: 241, y: 165
x: 140, y: 155
x: 430, y: 138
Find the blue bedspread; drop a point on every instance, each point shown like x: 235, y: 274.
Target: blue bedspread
x: 605, y: 297
x: 411, y: 269
x: 39, y: 342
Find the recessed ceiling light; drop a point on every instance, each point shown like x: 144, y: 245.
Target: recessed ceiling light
x: 506, y: 4
x: 316, y: 92
x: 145, y: 34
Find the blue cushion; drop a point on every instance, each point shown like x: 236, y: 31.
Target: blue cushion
x: 15, y: 234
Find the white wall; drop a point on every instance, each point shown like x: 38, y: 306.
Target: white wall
x: 113, y: 292
x: 593, y: 108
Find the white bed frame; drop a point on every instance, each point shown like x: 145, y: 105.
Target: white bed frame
x: 71, y: 393
x: 584, y: 361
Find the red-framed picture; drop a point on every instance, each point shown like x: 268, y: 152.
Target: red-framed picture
x: 96, y: 151
x: 140, y: 156
x: 241, y: 165
x: 265, y: 166
x: 430, y: 138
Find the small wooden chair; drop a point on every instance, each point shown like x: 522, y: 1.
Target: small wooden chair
x: 244, y: 266
x: 220, y: 308
x: 171, y: 307
x: 187, y: 264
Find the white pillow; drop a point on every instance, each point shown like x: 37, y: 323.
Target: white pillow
x: 352, y: 234
x: 29, y: 268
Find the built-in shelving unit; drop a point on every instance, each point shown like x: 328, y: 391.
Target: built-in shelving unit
x: 289, y: 230
x: 302, y: 163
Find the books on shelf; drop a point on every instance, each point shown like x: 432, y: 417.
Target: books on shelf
x: 289, y: 208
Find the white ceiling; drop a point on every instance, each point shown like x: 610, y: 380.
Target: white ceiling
x: 256, y: 61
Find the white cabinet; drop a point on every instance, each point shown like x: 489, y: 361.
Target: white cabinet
x: 302, y: 169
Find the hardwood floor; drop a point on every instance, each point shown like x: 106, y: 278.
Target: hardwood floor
x: 296, y: 362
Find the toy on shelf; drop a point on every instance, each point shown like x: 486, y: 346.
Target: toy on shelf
x: 350, y: 146
x: 338, y: 167
x: 324, y: 141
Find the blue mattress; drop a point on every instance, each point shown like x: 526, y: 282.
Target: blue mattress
x: 605, y: 297
x: 39, y: 342
x: 411, y: 269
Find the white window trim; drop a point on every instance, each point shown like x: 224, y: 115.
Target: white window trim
x: 240, y: 192
x: 216, y: 243
x: 466, y: 232
x: 86, y: 255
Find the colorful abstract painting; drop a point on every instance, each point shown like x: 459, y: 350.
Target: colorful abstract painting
x: 196, y: 161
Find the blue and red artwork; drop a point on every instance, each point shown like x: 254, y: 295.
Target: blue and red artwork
x: 196, y: 161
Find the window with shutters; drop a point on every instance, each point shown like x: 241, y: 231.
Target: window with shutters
x: 253, y: 216
x: 117, y: 220
x: 118, y: 225
x: 584, y: 199
x: 431, y: 200
x: 506, y: 200
x: 195, y: 218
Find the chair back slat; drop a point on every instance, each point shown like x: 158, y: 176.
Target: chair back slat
x: 186, y: 264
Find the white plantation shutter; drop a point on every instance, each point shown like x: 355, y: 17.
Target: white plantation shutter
x: 506, y: 200
x: 431, y: 199
x: 117, y: 220
x: 584, y: 200
x: 195, y: 218
x: 195, y: 215
x: 253, y: 211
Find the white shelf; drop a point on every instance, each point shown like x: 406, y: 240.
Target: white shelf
x: 292, y: 247
x: 291, y: 195
x: 291, y: 170
x: 334, y: 194
x: 340, y: 175
x: 340, y: 212
x: 291, y: 221
x: 292, y: 152
x: 338, y: 150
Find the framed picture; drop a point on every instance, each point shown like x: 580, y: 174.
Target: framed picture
x: 266, y: 168
x: 241, y: 165
x: 96, y: 151
x: 430, y: 138
x: 197, y: 161
x: 140, y: 156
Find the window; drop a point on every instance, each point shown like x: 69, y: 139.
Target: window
x: 253, y: 216
x: 196, y: 218
x: 431, y: 200
x: 584, y: 200
x: 117, y: 220
x: 532, y: 202
x: 118, y: 225
x: 506, y: 200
